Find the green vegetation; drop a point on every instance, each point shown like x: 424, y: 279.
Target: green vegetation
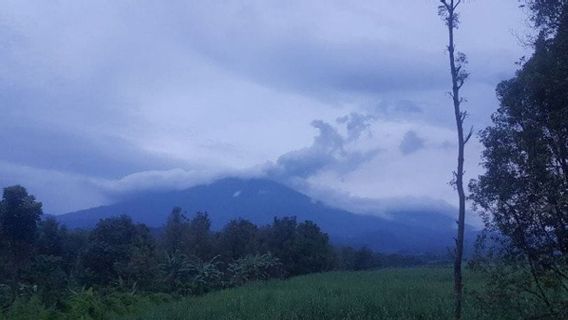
x: 522, y: 195
x: 186, y: 270
x: 50, y: 272
x: 85, y: 304
x: 414, y: 293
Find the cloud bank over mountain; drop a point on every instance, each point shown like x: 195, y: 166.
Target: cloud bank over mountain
x: 103, y: 98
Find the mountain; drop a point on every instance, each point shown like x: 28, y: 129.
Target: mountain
x: 260, y: 200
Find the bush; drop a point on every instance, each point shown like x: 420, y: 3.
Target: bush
x: 5, y: 296
x: 206, y: 276
x: 254, y: 268
x: 190, y: 276
x: 29, y: 308
x: 85, y: 305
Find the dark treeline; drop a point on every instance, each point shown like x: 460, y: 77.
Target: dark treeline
x: 523, y: 194
x: 45, y: 260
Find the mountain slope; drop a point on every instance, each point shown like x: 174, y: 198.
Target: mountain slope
x: 260, y: 200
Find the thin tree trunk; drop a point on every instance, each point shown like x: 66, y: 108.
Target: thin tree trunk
x: 457, y: 82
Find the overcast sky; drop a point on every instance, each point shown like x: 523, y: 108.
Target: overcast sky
x: 345, y: 100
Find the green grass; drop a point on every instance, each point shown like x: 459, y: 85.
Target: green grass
x: 420, y: 293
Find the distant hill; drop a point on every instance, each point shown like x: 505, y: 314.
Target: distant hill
x: 260, y: 200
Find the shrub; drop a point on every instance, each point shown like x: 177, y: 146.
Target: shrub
x: 28, y: 308
x: 85, y: 304
x: 190, y: 276
x: 206, y: 276
x: 254, y: 268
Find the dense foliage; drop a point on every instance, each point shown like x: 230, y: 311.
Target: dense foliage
x: 524, y: 193
x: 546, y: 14
x: 120, y: 265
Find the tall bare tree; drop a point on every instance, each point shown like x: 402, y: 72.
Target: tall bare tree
x: 448, y: 11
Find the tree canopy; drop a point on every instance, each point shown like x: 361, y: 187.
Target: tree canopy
x: 523, y: 194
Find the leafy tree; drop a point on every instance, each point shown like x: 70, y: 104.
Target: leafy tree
x: 313, y: 253
x: 175, y: 232
x: 19, y: 217
x: 119, y: 249
x: 238, y: 238
x: 345, y: 257
x: 364, y: 259
x: 109, y: 244
x: 348, y: 258
x: 302, y: 248
x: 279, y: 240
x: 73, y: 243
x: 142, y: 266
x: 47, y: 275
x: 523, y: 195
x: 199, y: 242
x: 546, y: 14
x: 50, y: 240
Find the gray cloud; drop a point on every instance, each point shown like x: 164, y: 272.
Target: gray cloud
x: 329, y: 150
x: 396, y: 109
x: 399, y: 108
x: 327, y: 70
x: 99, y: 97
x: 411, y: 143
x: 62, y: 191
x: 356, y: 124
x: 58, y: 149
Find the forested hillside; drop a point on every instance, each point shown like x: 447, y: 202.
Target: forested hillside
x: 417, y: 231
x: 49, y: 267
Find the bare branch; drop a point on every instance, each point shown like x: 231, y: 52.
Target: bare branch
x: 468, y: 136
x: 457, y: 4
x: 463, y: 114
x: 446, y: 4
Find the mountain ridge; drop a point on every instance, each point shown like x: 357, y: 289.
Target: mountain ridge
x: 260, y: 200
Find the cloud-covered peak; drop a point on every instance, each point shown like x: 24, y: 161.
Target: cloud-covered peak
x: 101, y: 97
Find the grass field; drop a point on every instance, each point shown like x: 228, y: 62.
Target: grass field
x: 421, y: 293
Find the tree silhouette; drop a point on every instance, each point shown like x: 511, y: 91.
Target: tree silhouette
x: 448, y: 11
